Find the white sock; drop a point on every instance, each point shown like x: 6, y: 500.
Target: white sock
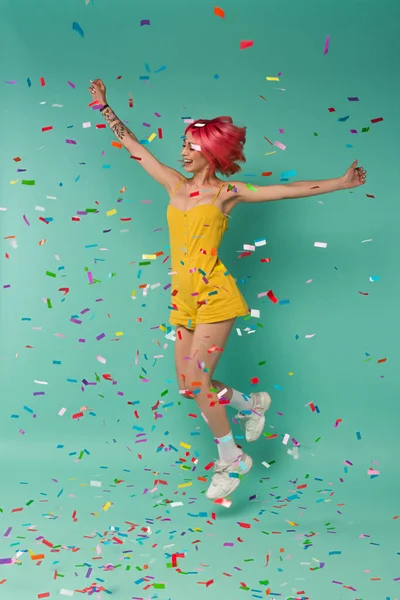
x: 227, y: 449
x: 241, y: 401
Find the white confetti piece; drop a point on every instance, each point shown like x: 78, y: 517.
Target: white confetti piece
x: 286, y: 438
x: 66, y: 592
x: 260, y: 243
x: 86, y: 124
x: 320, y: 244
x: 101, y: 359
x: 41, y: 208
x: 265, y: 464
x: 255, y: 313
x: 309, y: 335
x: 174, y: 504
x: 62, y: 412
x: 95, y: 483
x: 249, y: 247
x: 294, y: 453
x: 41, y: 382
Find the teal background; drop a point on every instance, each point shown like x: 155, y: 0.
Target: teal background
x: 342, y: 526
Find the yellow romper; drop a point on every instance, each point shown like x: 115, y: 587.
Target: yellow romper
x: 203, y: 291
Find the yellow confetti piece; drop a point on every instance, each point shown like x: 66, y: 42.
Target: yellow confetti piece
x: 111, y: 212
x: 151, y: 138
x: 149, y: 256
x: 163, y: 328
x: 185, y: 445
x: 14, y: 181
x: 119, y: 333
x: 272, y: 78
x: 107, y: 506
x: 181, y: 485
x: 133, y: 293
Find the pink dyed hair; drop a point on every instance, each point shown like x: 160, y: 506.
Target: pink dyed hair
x: 221, y: 143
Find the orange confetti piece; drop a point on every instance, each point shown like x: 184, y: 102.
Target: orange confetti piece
x: 219, y: 12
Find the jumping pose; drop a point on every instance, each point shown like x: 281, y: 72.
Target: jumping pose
x: 205, y: 300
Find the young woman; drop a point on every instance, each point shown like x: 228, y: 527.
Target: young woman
x: 205, y: 299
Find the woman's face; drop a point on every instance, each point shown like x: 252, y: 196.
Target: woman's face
x: 191, y: 152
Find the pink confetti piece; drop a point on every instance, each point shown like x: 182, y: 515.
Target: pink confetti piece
x: 280, y: 145
x: 326, y: 48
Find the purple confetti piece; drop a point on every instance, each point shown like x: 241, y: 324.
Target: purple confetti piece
x: 26, y: 221
x: 144, y: 22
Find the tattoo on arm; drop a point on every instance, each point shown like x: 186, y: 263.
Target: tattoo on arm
x: 116, y: 125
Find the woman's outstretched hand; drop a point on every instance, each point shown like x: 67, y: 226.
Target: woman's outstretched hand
x: 354, y: 176
x: 98, y: 91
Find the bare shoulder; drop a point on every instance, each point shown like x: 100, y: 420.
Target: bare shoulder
x: 230, y: 195
x: 234, y: 190
x: 172, y: 178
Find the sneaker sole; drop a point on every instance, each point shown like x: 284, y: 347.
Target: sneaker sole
x: 249, y: 464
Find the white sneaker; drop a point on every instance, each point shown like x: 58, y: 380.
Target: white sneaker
x: 222, y: 483
x: 254, y: 423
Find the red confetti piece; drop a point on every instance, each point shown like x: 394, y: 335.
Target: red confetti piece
x: 246, y: 44
x: 219, y: 12
x: 378, y: 120
x: 193, y: 194
x: 160, y: 134
x: 42, y: 82
x: 49, y: 128
x: 254, y: 380
x: 272, y: 297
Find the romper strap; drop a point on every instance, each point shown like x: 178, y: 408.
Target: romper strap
x: 218, y: 193
x: 176, y: 187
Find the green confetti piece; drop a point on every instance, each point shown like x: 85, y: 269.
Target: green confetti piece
x: 50, y: 274
x: 28, y: 182
x: 29, y: 502
x: 159, y: 586
x: 164, y: 393
x: 49, y: 305
x: 145, y: 263
x: 262, y: 363
x: 251, y: 187
x: 317, y: 440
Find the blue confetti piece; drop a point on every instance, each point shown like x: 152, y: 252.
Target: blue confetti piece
x: 76, y: 27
